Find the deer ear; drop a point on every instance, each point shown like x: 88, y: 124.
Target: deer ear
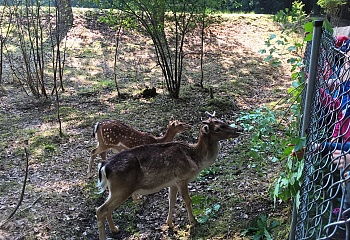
x: 205, y: 129
x: 172, y: 118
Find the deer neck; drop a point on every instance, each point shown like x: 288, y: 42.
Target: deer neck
x: 207, y: 150
x: 168, y: 136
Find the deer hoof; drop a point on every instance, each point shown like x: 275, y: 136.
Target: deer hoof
x: 136, y: 198
x: 114, y: 229
x: 194, y: 222
x: 170, y: 224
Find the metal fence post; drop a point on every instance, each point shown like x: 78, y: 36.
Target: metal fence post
x: 310, y: 93
x: 310, y: 88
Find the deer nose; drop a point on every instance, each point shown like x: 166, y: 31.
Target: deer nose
x: 237, y: 127
x: 240, y: 129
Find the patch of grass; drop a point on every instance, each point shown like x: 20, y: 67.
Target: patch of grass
x: 105, y: 83
x: 30, y: 131
x: 90, y: 189
x: 18, y: 150
x: 88, y: 91
x: 210, y: 171
x: 45, y: 144
x: 50, y: 148
x: 43, y: 139
x: 222, y: 104
x: 8, y: 129
x: 261, y: 228
x: 6, y: 186
x: 69, y: 113
x: 204, y: 207
x: 125, y: 216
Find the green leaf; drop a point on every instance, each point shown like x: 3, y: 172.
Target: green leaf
x: 299, y: 143
x: 327, y: 26
x: 208, y: 211
x: 280, y: 42
x: 257, y: 237
x: 300, y: 169
x: 268, y: 58
x: 203, y: 219
x: 276, y: 63
x: 276, y: 193
x: 308, y: 28
x: 273, y: 224
x: 308, y: 37
x: 216, y: 207
x: 267, y: 235
x: 197, y: 199
x: 284, y: 182
x: 262, y: 51
x: 292, y: 48
x: 272, y: 36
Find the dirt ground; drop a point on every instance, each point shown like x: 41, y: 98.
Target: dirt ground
x: 60, y: 201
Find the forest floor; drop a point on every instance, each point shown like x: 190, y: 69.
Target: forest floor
x: 60, y: 201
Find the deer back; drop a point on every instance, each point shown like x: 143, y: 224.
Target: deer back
x: 150, y: 168
x: 116, y: 133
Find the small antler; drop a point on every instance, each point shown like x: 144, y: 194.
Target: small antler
x: 210, y: 115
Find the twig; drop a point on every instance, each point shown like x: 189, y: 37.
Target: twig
x: 31, y: 205
x: 22, y: 193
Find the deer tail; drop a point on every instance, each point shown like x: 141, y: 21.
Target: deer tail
x: 102, y: 178
x: 95, y: 129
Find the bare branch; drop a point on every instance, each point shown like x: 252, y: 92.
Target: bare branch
x: 22, y: 193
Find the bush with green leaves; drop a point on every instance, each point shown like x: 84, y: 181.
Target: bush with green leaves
x: 331, y: 6
x: 264, y: 128
x: 261, y: 228
x: 204, y: 208
x: 276, y: 131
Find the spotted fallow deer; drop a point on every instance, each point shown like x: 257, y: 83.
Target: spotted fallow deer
x: 113, y: 134
x: 148, y: 169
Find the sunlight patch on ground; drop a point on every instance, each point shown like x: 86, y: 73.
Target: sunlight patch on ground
x: 59, y: 186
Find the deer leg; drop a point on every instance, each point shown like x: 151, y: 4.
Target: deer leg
x: 92, y: 157
x: 94, y: 154
x: 103, y: 155
x: 111, y: 224
x: 183, y: 189
x: 101, y: 217
x: 172, y: 200
x: 105, y: 212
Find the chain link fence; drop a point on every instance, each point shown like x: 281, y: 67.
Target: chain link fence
x: 324, y: 206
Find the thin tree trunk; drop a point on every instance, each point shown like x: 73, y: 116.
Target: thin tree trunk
x: 116, y: 58
x: 202, y: 49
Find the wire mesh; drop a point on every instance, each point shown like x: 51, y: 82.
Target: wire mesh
x: 324, y: 207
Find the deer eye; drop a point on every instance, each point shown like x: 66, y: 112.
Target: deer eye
x: 217, y: 129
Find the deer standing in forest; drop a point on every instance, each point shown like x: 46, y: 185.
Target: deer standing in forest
x: 148, y: 169
x: 113, y: 134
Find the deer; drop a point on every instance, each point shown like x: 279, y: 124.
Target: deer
x: 113, y: 134
x: 149, y: 168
